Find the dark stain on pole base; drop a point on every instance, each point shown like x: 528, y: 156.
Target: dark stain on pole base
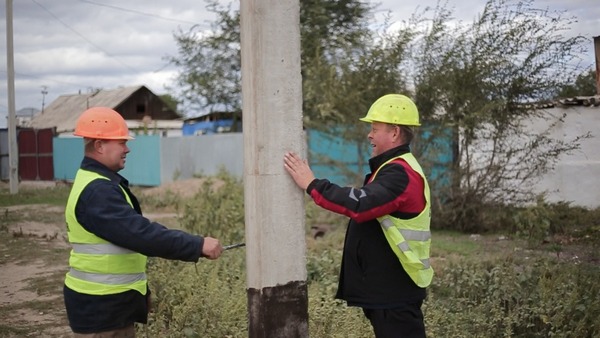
x: 280, y: 311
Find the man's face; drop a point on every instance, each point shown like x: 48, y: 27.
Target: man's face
x: 383, y: 137
x: 113, y: 153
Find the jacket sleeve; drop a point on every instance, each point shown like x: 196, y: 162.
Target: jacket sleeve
x: 380, y: 197
x: 103, y: 210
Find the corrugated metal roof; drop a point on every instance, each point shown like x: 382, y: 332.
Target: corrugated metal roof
x: 63, y: 112
x: 593, y: 101
x: 586, y: 101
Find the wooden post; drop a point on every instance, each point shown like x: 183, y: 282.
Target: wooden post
x: 597, y: 55
x: 274, y: 206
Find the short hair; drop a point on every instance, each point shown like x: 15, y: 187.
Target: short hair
x: 408, y: 132
x: 88, y: 144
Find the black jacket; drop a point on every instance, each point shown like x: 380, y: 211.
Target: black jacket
x: 371, y: 275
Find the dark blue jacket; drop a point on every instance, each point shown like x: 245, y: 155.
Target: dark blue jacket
x: 103, y: 210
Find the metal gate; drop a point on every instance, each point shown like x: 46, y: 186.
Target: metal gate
x: 35, y: 154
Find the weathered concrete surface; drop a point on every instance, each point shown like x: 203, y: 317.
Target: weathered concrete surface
x: 278, y: 312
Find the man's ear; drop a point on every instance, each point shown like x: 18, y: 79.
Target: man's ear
x: 399, y: 133
x: 99, y: 146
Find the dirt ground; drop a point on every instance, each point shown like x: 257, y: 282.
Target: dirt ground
x: 33, y: 260
x: 34, y: 253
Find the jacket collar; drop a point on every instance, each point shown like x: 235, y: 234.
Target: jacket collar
x: 92, y: 165
x: 377, y: 161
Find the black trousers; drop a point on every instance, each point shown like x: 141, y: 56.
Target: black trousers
x: 404, y: 322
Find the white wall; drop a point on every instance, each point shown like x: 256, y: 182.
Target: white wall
x: 576, y: 177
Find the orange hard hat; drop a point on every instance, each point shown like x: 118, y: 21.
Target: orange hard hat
x: 102, y: 123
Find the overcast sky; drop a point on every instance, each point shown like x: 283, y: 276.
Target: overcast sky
x: 66, y: 46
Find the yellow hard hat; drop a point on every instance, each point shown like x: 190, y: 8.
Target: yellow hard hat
x: 102, y: 123
x: 393, y: 109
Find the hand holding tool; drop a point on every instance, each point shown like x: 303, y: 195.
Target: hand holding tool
x: 233, y: 246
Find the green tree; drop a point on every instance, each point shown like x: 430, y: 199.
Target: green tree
x: 333, y: 37
x: 585, y: 85
x: 210, y: 64
x: 170, y: 101
x: 480, y: 82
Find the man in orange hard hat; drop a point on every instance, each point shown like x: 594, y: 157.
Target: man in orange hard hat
x: 106, y: 290
x: 385, y: 265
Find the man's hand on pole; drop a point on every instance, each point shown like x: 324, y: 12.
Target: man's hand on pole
x: 298, y: 169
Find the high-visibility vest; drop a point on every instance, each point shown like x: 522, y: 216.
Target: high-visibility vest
x: 410, y: 239
x: 98, y: 267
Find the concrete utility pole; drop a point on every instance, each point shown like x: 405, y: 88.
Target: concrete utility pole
x: 274, y: 206
x: 13, y: 153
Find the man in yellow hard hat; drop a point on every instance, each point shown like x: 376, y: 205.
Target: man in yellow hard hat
x: 106, y: 290
x: 385, y: 265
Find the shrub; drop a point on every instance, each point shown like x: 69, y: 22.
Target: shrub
x: 501, y: 299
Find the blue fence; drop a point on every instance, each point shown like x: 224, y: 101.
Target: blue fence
x: 155, y: 160
x: 143, y: 162
x: 333, y: 158
x: 336, y: 159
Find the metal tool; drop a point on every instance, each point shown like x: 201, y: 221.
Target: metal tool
x: 233, y: 246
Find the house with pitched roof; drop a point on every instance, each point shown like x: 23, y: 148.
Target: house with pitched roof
x: 144, y: 111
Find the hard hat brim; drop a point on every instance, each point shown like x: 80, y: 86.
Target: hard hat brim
x: 364, y: 119
x: 99, y: 137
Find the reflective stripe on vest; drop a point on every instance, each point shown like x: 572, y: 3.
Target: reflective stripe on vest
x: 99, y: 267
x: 100, y: 249
x: 111, y: 279
x: 409, y: 235
x: 410, y: 239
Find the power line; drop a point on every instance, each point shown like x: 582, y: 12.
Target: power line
x: 83, y: 37
x: 47, y: 79
x: 138, y: 12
